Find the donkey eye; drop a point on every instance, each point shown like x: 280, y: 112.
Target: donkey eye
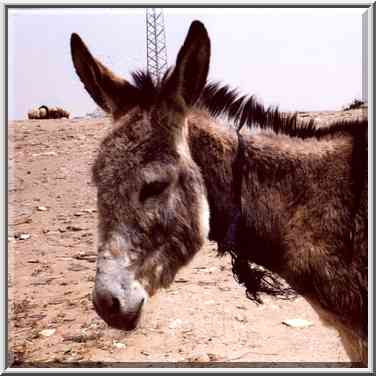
x: 153, y: 189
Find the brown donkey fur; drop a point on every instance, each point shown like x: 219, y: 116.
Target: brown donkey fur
x: 169, y: 161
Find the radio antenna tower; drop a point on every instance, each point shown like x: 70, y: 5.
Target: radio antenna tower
x: 156, y: 43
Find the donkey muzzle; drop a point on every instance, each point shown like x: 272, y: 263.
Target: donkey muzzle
x: 119, y: 304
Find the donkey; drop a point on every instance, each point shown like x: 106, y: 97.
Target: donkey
x: 282, y: 194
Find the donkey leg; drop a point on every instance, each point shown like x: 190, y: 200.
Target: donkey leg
x: 355, y: 347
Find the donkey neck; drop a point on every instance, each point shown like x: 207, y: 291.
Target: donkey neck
x: 272, y: 191
x: 214, y: 148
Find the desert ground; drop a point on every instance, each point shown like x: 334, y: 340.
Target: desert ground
x: 202, y: 319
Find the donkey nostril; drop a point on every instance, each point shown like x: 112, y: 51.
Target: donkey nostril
x: 115, y: 305
x: 140, y: 305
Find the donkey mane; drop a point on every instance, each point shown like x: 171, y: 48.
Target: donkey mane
x: 242, y: 110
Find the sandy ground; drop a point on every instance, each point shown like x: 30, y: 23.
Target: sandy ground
x: 203, y: 317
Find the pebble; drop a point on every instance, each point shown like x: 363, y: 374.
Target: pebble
x: 47, y: 332
x: 22, y: 236
x: 48, y: 153
x: 41, y: 208
x: 214, y: 357
x: 297, y: 323
x: 240, y: 307
x: 120, y: 345
x: 199, y: 358
x: 211, y: 270
x: 89, y: 211
x: 74, y: 228
x: 240, y: 318
x: 175, y: 324
x: 77, y: 268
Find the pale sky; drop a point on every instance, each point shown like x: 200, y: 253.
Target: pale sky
x: 299, y: 59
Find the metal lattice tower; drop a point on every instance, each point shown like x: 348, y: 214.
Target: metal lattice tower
x: 156, y: 43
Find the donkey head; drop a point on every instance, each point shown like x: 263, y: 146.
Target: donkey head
x: 152, y: 206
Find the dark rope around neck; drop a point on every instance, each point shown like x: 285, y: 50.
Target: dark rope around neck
x: 255, y: 278
x: 230, y: 242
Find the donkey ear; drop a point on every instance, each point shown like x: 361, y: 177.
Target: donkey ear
x: 192, y: 64
x: 110, y: 92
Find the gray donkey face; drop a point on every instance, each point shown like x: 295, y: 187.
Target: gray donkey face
x: 153, y: 211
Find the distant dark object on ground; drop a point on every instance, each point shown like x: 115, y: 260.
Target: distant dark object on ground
x: 98, y: 113
x: 44, y: 112
x: 356, y: 103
